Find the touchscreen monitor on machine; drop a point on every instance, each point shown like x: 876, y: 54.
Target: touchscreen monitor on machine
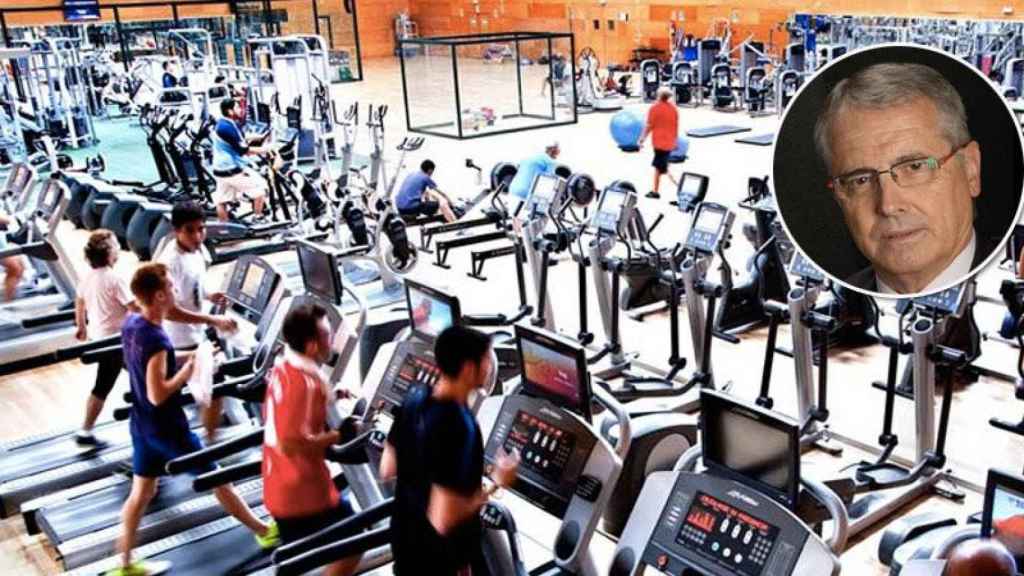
x: 691, y: 191
x: 1003, y: 515
x: 612, y: 210
x: 710, y: 226
x: 543, y: 193
x: 320, y: 272
x: 554, y: 369
x: 430, y: 310
x: 752, y: 445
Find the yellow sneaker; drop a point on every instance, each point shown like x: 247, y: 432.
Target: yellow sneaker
x: 272, y: 539
x: 141, y: 568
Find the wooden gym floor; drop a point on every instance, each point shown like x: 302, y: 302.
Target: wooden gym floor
x: 52, y: 397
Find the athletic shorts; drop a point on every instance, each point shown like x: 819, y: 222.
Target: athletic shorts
x: 241, y: 185
x: 421, y: 208
x: 297, y: 528
x: 108, y: 369
x: 151, y: 455
x: 660, y: 161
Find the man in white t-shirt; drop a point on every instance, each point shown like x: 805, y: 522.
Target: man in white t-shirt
x: 185, y: 258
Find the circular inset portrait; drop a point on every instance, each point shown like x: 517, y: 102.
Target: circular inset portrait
x: 898, y: 170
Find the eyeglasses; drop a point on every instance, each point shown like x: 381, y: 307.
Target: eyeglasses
x: 906, y: 174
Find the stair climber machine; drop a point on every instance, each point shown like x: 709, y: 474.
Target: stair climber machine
x: 738, y: 516
x: 591, y: 95
x: 743, y: 304
x: 657, y: 394
x: 568, y: 469
x: 883, y: 486
x: 550, y: 197
x: 184, y: 524
x: 34, y: 327
x: 645, y: 292
x: 805, y: 320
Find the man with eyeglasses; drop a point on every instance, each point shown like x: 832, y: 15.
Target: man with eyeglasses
x: 905, y: 172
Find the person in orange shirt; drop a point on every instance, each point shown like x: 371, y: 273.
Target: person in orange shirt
x: 663, y: 127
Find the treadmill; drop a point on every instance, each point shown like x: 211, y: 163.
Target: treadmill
x: 33, y: 327
x: 83, y: 522
x: 198, y: 544
x: 735, y: 518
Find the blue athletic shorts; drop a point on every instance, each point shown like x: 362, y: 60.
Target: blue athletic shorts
x: 151, y: 455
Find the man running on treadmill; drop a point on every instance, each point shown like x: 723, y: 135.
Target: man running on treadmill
x: 419, y: 195
x: 159, y: 428
x: 185, y: 258
x: 14, y: 267
x: 436, y: 453
x: 297, y: 486
x: 230, y: 169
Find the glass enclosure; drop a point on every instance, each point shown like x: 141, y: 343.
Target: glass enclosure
x: 480, y: 85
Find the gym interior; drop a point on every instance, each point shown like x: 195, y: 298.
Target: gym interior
x: 678, y: 387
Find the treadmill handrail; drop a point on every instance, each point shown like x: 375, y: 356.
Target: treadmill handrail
x: 227, y: 474
x: 79, y: 350
x: 328, y: 553
x: 54, y: 318
x: 211, y: 454
x: 957, y: 537
x: 625, y: 437
x: 339, y: 530
x: 837, y: 510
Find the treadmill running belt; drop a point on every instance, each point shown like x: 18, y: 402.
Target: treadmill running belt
x: 758, y: 140
x: 711, y: 131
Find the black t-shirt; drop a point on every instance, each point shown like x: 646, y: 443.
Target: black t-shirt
x: 436, y: 442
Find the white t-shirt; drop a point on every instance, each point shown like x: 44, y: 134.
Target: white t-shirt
x: 186, y: 271
x: 106, y: 297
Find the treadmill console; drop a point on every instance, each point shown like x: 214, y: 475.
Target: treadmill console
x: 411, y: 363
x: 613, y: 211
x: 803, y: 267
x: 250, y: 288
x: 691, y: 192
x: 719, y: 527
x: 554, y: 447
x: 711, y: 226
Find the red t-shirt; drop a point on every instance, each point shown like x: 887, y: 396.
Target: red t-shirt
x: 295, y: 406
x: 663, y: 122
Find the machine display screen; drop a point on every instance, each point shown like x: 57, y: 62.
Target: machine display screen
x: 691, y: 190
x: 727, y: 535
x: 319, y: 272
x: 543, y: 447
x: 804, y: 268
x: 610, y: 212
x: 709, y: 221
x: 252, y: 281
x: 1003, y: 516
x: 946, y: 301
x: 753, y: 446
x: 430, y: 311
x: 554, y: 370
x: 544, y: 192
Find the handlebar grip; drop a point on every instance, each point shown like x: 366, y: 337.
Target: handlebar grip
x: 776, y: 308
x: 820, y: 321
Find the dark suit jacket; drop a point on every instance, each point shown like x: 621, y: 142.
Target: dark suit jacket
x: 983, y: 248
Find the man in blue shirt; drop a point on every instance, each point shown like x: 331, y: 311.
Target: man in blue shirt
x: 530, y: 168
x: 230, y: 169
x: 419, y: 195
x: 159, y: 429
x: 169, y: 79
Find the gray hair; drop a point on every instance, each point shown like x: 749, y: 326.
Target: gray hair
x: 892, y: 84
x: 664, y: 93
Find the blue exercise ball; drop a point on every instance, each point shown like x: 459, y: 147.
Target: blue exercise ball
x: 626, y: 127
x: 678, y: 154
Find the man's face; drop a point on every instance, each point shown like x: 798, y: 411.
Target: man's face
x: 476, y: 372
x: 554, y: 152
x: 191, y: 235
x: 910, y: 235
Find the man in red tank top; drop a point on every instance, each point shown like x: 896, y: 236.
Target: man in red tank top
x: 297, y: 486
x: 663, y: 127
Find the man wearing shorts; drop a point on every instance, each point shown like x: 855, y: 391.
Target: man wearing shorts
x: 230, y: 169
x: 159, y: 429
x: 297, y: 486
x: 419, y: 195
x: 663, y: 127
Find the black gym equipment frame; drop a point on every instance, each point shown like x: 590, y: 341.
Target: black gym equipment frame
x: 454, y: 42
x: 264, y: 8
